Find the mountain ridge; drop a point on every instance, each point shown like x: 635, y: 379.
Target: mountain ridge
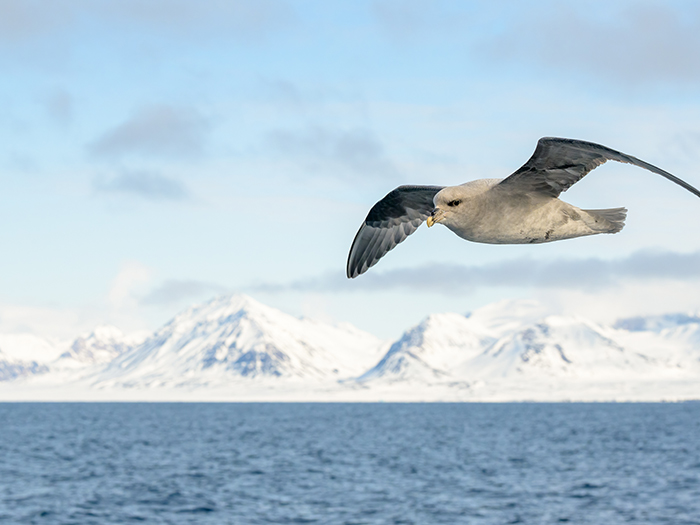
x: 237, y: 346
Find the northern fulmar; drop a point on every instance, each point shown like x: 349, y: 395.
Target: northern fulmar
x: 523, y: 208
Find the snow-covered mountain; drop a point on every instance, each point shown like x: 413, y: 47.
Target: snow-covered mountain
x: 514, y: 340
x: 24, y: 355
x: 234, y: 337
x: 12, y: 368
x: 672, y: 340
x: 102, y: 345
x: 430, y: 350
x: 443, y: 343
x: 238, y: 347
x: 559, y: 346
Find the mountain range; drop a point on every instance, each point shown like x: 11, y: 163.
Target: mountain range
x: 235, y: 348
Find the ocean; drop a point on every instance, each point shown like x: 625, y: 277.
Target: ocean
x: 260, y: 463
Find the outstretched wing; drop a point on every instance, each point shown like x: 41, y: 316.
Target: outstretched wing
x: 558, y: 164
x: 388, y: 223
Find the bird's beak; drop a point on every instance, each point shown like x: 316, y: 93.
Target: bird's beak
x: 435, y: 217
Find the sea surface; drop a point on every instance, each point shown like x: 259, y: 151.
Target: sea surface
x: 245, y: 463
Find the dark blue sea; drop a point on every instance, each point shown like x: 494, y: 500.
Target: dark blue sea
x: 244, y: 463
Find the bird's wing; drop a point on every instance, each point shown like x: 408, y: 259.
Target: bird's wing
x: 558, y: 164
x: 388, y: 223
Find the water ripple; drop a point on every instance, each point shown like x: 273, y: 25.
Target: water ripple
x: 350, y: 463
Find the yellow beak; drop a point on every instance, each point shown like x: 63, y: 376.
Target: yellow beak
x: 435, y: 217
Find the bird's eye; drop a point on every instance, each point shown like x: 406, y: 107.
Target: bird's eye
x: 454, y: 203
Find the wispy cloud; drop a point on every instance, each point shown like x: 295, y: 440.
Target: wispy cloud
x: 131, y: 276
x: 355, y: 151
x: 573, y: 274
x: 628, y: 42
x: 241, y: 18
x: 143, y: 184
x: 22, y: 19
x: 174, y: 291
x: 620, y: 41
x: 421, y: 19
x: 164, y: 131
x: 25, y: 19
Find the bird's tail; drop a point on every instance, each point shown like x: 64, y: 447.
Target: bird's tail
x: 611, y: 220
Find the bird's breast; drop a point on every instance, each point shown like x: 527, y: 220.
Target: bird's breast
x: 516, y: 220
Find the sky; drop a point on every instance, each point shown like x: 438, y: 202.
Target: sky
x: 156, y: 153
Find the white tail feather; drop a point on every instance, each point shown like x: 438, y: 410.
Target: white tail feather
x: 611, y: 220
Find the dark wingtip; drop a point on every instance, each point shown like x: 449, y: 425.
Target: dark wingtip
x: 350, y: 267
x: 349, y: 273
x: 353, y: 270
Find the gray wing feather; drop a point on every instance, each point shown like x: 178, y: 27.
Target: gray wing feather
x: 558, y: 164
x: 388, y: 223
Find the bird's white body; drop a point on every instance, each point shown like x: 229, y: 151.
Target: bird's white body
x: 523, y: 208
x: 492, y: 214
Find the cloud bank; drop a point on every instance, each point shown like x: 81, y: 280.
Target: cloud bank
x: 23, y: 19
x: 243, y: 18
x: 592, y: 274
x: 163, y: 131
x: 626, y: 42
x: 27, y: 19
x: 630, y: 42
x: 143, y: 184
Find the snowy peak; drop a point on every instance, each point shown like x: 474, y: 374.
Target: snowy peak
x: 558, y: 346
x: 235, y: 336
x: 101, y: 345
x: 432, y: 348
x: 443, y: 343
x: 492, y: 345
x: 221, y: 310
x: 236, y: 343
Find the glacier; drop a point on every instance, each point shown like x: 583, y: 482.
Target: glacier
x: 234, y: 348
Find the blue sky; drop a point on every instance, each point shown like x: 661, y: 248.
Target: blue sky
x: 156, y: 153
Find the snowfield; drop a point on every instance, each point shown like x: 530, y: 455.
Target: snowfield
x: 234, y: 348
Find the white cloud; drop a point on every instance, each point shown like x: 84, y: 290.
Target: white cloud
x: 625, y: 300
x: 48, y: 321
x: 174, y: 291
x: 129, y: 280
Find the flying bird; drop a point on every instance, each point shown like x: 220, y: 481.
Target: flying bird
x: 523, y: 208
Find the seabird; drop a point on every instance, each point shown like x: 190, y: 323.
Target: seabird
x: 523, y: 208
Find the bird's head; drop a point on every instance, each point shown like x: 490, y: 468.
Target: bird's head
x: 447, y: 204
